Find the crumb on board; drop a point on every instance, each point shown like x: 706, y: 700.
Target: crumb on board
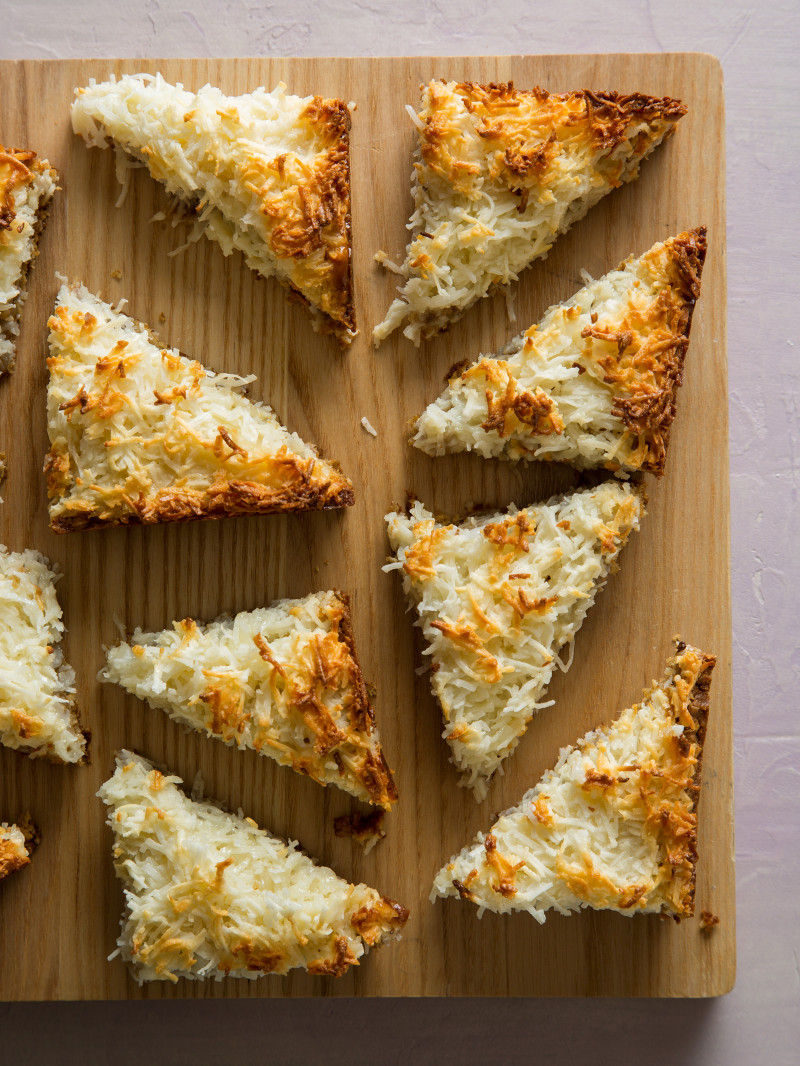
x: 511, y: 299
x: 365, y: 829
x: 162, y: 317
x: 368, y: 426
x: 116, y: 274
x: 708, y: 921
x: 385, y: 261
x: 30, y: 831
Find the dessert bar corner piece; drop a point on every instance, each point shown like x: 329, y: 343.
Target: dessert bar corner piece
x: 283, y: 681
x: 498, y: 598
x: 210, y: 895
x: 499, y: 174
x: 267, y: 174
x: 614, y: 825
x: 594, y: 383
x: 37, y: 688
x: 14, y: 853
x: 27, y: 184
x: 141, y: 434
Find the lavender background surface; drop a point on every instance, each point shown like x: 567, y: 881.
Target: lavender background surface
x: 760, y: 1020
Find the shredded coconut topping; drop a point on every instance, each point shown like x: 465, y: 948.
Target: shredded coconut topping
x: 613, y: 826
x: 27, y: 185
x: 497, y: 597
x: 140, y: 433
x: 498, y: 175
x: 283, y: 681
x: 594, y: 383
x: 209, y: 894
x: 37, y: 688
x: 266, y: 174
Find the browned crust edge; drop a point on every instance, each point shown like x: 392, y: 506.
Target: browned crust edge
x: 698, y: 707
x: 323, y: 322
x: 236, y: 499
x: 600, y: 102
x: 688, y: 260
x: 609, y: 112
x: 380, y: 785
x: 334, y: 117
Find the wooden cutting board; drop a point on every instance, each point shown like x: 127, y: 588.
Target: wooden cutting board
x: 59, y: 918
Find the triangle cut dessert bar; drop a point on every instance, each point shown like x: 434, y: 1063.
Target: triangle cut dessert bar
x: 27, y: 184
x: 210, y: 895
x: 38, y: 716
x: 499, y: 174
x: 141, y: 434
x: 267, y: 174
x: 498, y: 597
x: 594, y: 383
x: 614, y: 825
x: 283, y: 680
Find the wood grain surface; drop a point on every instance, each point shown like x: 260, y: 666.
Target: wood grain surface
x: 59, y: 917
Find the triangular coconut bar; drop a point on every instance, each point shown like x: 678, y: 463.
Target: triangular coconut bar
x: 594, y: 383
x: 498, y: 596
x: 27, y: 185
x: 140, y: 433
x: 284, y: 681
x: 499, y: 174
x: 267, y: 174
x: 37, y: 688
x: 209, y: 894
x: 14, y: 852
x: 614, y: 825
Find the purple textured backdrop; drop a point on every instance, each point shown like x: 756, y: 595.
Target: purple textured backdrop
x: 760, y: 1020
